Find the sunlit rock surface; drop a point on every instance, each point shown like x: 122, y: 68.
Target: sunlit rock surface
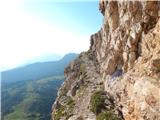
x: 123, y: 61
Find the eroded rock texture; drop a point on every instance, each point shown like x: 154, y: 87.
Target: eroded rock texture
x: 123, y: 60
x: 118, y: 44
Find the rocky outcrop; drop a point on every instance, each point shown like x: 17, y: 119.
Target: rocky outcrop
x: 123, y: 61
x: 118, y: 44
x: 138, y: 90
x: 81, y: 81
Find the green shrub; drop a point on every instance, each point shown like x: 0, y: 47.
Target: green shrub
x: 82, y: 69
x: 65, y: 110
x: 107, y: 116
x: 97, y: 102
x: 59, y: 113
x: 70, y: 104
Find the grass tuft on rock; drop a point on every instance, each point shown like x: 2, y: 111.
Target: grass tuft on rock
x: 64, y: 111
x: 97, y: 102
x: 107, y: 116
x: 59, y: 113
x: 82, y: 69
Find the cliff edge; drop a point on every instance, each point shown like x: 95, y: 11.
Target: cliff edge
x: 118, y: 77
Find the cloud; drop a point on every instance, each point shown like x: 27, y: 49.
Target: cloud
x: 23, y: 36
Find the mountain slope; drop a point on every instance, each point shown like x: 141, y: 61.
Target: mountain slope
x: 37, y: 70
x: 30, y: 98
x: 24, y: 100
x: 118, y: 77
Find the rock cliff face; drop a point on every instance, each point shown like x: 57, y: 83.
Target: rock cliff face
x: 118, y: 77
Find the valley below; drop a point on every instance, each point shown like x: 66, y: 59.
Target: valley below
x: 30, y: 100
x: 28, y: 92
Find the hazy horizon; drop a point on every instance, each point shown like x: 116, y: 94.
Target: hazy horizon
x: 32, y: 28
x: 36, y: 59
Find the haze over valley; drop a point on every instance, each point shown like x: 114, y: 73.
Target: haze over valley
x: 24, y: 88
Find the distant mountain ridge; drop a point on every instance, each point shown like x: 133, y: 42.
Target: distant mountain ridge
x: 39, y: 58
x: 42, y: 58
x: 37, y: 70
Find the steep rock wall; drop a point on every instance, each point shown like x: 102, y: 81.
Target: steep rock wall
x: 123, y: 61
x: 118, y: 44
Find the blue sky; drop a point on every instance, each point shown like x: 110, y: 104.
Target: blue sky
x: 32, y: 28
x: 83, y: 17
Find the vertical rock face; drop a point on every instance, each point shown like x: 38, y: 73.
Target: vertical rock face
x: 117, y: 44
x: 123, y: 61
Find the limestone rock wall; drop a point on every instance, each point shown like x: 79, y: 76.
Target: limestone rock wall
x: 129, y: 40
x: 123, y: 61
x: 118, y: 44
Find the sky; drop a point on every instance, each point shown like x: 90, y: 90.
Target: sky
x: 31, y: 28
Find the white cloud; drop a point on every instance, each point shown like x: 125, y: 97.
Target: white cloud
x: 23, y: 36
